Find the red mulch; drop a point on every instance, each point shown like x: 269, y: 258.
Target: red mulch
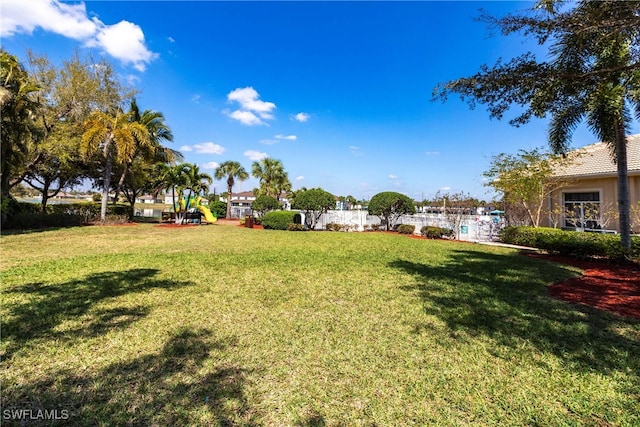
x: 606, y: 286
x: 174, y: 225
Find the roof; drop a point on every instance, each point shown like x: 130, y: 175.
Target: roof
x: 595, y: 160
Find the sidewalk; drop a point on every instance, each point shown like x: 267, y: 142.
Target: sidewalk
x: 506, y: 245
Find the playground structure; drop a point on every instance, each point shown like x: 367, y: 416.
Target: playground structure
x: 190, y: 210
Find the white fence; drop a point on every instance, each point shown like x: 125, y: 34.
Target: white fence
x: 477, y: 228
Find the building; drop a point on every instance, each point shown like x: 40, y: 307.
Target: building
x: 588, y: 201
x: 241, y: 203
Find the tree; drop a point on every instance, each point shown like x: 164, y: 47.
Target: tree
x: 230, y: 170
x: 19, y: 110
x: 272, y: 176
x: 454, y: 206
x: 116, y: 137
x: 263, y: 204
x: 526, y: 179
x: 390, y: 206
x: 594, y: 74
x: 314, y: 202
x: 153, y: 151
x: 173, y: 177
x: 197, y: 182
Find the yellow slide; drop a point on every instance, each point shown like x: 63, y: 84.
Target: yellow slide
x: 207, y: 214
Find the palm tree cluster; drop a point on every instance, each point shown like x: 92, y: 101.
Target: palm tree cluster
x: 274, y: 180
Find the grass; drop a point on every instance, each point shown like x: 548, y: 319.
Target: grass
x: 222, y: 325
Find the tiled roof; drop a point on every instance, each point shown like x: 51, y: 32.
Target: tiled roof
x: 595, y: 160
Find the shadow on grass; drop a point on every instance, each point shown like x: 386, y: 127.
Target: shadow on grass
x: 505, y: 298
x: 70, y: 304
x: 179, y: 385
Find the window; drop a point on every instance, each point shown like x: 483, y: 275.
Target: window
x: 582, y: 210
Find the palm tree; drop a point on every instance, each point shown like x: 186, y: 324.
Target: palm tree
x: 232, y: 171
x: 272, y: 176
x: 18, y: 124
x: 600, y: 95
x: 197, y: 182
x: 158, y: 131
x: 115, y: 135
x: 174, y: 177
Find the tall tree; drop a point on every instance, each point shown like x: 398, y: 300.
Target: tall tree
x: 272, y: 176
x: 593, y: 74
x: 116, y: 137
x: 231, y: 171
x: 19, y: 111
x: 154, y: 151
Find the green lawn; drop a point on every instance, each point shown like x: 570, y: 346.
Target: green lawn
x: 222, y: 325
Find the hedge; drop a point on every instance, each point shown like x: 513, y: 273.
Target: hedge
x: 25, y: 216
x: 431, y: 232
x: 279, y: 220
x: 581, y: 244
x: 406, y: 228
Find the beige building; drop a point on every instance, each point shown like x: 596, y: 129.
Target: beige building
x: 588, y: 199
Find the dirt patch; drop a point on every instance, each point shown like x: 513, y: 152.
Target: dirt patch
x: 606, y: 286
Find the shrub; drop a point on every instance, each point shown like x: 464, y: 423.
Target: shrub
x: 278, y: 220
x: 295, y: 227
x: 431, y: 232
x: 573, y: 243
x: 375, y: 227
x: 406, y: 229
x: 332, y: 226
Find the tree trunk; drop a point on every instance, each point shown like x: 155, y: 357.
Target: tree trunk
x: 45, y: 199
x: 623, y: 188
x: 106, y: 178
x: 229, y: 202
x: 121, y: 182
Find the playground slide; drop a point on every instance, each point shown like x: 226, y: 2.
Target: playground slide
x: 207, y: 214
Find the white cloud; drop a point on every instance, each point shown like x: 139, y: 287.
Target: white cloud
x: 255, y: 155
x: 268, y: 141
x: 300, y: 178
x: 392, y: 176
x: 445, y: 188
x: 355, y: 150
x: 287, y: 137
x: 301, y: 117
x: 208, y: 148
x: 196, y: 98
x: 124, y: 40
x: 432, y: 153
x: 252, y: 109
x: 245, y: 117
x: 210, y: 165
x: 69, y: 20
x: 186, y: 148
x: 171, y: 39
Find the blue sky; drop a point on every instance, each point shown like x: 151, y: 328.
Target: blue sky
x: 338, y: 91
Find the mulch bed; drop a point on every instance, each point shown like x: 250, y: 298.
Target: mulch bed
x: 610, y: 287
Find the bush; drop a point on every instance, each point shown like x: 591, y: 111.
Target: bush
x: 332, y: 226
x: 25, y: 216
x: 431, y: 232
x: 295, y: 227
x: 278, y: 220
x: 571, y: 243
x: 406, y: 229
